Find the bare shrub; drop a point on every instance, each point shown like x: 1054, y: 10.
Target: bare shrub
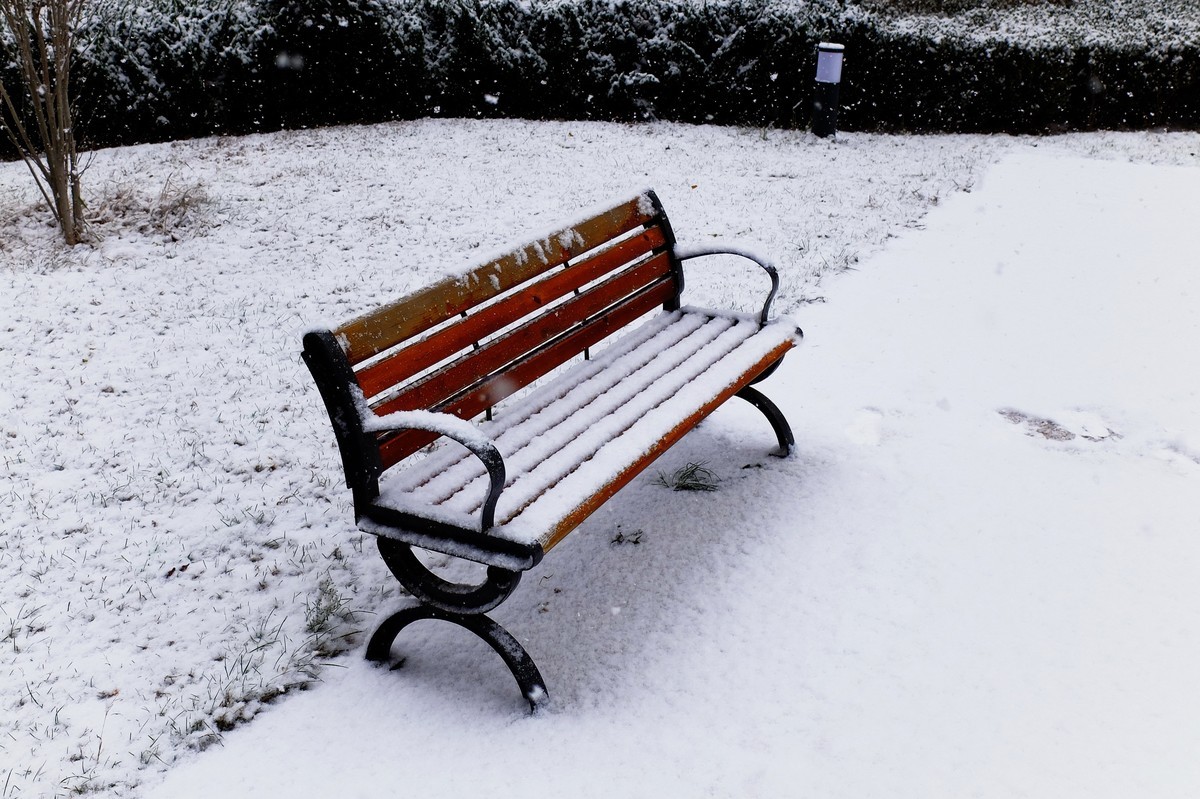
x: 177, y: 207
x: 37, y: 117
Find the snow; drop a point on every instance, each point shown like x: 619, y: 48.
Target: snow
x: 927, y: 599
x: 446, y: 424
x: 1130, y: 25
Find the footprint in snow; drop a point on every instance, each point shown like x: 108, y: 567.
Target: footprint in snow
x: 1176, y: 452
x: 1069, y: 425
x: 867, y: 428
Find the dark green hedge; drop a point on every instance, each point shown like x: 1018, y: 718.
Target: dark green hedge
x: 207, y: 66
x: 1004, y: 87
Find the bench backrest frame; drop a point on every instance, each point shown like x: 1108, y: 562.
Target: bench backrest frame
x: 395, y: 358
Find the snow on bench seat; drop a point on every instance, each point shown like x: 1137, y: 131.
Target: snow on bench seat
x: 571, y: 443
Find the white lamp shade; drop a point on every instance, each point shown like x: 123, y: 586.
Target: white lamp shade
x: 829, y: 62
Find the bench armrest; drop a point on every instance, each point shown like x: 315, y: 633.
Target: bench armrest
x: 459, y: 430
x: 684, y: 254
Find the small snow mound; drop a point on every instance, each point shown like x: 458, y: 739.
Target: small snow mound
x: 646, y: 206
x: 1088, y: 425
x: 867, y: 428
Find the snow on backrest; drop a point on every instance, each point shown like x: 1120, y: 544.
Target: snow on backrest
x: 374, y: 333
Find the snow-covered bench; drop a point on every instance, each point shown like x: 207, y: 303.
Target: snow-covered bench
x: 412, y: 372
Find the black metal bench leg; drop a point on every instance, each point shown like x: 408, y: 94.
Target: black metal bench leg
x: 533, y: 687
x: 432, y: 590
x: 783, y: 431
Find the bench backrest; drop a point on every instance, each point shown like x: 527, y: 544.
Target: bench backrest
x: 465, y: 343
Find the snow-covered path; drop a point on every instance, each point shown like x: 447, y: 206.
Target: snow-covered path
x: 976, y: 578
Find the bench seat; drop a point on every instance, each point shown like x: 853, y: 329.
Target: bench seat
x: 573, y: 442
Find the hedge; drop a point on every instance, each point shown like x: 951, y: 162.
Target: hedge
x: 178, y: 69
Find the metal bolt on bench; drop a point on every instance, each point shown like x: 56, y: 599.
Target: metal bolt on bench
x: 405, y: 375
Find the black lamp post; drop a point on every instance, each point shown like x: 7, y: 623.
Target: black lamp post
x: 829, y: 76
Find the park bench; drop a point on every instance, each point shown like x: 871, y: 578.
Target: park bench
x: 578, y: 425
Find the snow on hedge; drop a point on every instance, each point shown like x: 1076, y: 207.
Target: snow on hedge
x: 1162, y: 26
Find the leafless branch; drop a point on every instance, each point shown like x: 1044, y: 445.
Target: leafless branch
x: 42, y: 33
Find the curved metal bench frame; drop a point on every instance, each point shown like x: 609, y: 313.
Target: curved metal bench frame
x: 533, y: 687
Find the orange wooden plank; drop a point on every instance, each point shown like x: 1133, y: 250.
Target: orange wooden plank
x: 386, y: 327
x: 418, y: 357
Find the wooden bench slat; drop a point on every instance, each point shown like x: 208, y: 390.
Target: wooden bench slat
x: 536, y: 365
x: 417, y: 357
x: 478, y: 365
x: 377, y: 332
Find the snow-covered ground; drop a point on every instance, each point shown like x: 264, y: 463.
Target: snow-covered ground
x: 975, y: 577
